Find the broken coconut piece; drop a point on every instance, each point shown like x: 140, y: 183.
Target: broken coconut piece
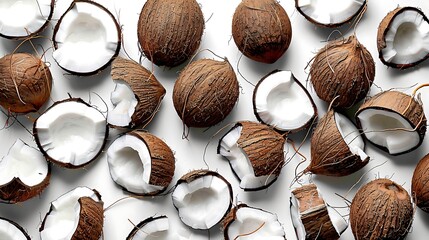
x: 202, y: 198
x: 402, y: 38
x: 137, y: 95
x: 255, y: 154
x: 312, y: 218
x: 420, y: 184
x: 24, y: 173
x: 141, y: 163
x: 281, y: 101
x: 71, y: 133
x: 337, y: 147
x: 86, y: 38
x: 77, y: 214
x: 393, y: 121
x: 246, y: 222
x: 10, y: 230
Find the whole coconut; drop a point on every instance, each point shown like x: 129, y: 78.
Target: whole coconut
x: 420, y: 184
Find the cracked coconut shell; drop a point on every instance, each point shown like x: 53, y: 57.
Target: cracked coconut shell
x: 420, y: 184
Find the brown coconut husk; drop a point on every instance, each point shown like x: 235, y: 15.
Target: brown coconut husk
x: 17, y: 226
x: 419, y: 184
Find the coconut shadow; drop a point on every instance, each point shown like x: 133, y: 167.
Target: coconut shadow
x: 81, y: 83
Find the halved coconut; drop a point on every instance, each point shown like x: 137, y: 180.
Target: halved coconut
x: 137, y: 95
x: 10, y: 230
x: 337, y: 147
x: 24, y: 18
x: 141, y: 163
x: 330, y: 13
x: 24, y: 173
x: 255, y: 154
x: 86, y: 38
x: 393, y: 121
x: 246, y: 222
x: 202, y: 198
x: 282, y: 102
x: 71, y: 133
x: 77, y: 214
x: 402, y: 38
x: 420, y: 184
x: 312, y: 218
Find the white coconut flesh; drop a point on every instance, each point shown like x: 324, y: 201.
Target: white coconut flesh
x: 161, y: 229
x: 240, y: 163
x: 283, y: 103
x: 87, y: 38
x: 24, y: 163
x: 389, y: 130
x: 203, y: 202
x: 71, y: 132
x: 351, y: 135
x: 62, y: 221
x: 124, y: 103
x: 130, y: 164
x: 8, y: 231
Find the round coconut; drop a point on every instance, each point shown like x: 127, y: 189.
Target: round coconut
x: 420, y: 186
x: 170, y: 31
x: 205, y: 92
x: 12, y: 230
x: 261, y: 30
x: 381, y: 209
x: 342, y: 70
x: 26, y: 83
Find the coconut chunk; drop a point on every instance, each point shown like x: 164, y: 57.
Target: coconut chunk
x: 124, y: 102
x: 10, y: 230
x: 351, y: 135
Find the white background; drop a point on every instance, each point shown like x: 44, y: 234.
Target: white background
x: 307, y: 39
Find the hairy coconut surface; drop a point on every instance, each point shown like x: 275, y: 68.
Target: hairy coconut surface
x: 419, y: 184
x: 10, y: 230
x: 261, y: 30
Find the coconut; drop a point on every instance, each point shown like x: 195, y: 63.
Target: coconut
x: 71, y: 133
x: 86, y: 38
x: 10, y: 230
x: 392, y: 121
x: 77, y: 214
x: 281, y: 101
x: 255, y: 154
x: 343, y: 70
x: 401, y: 38
x: 337, y: 147
x: 261, y: 30
x: 26, y: 83
x: 420, y: 186
x: 381, y: 209
x: 312, y: 218
x: 205, y: 92
x: 254, y: 223
x: 202, y: 198
x: 170, y: 31
x: 141, y: 163
x: 137, y: 95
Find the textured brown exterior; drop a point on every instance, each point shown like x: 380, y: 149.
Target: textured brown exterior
x: 205, y: 92
x: 17, y: 226
x: 141, y: 225
x: 170, y: 31
x: 26, y: 77
x: 148, y: 91
x: 381, y: 209
x: 330, y: 154
x: 402, y: 104
x: 261, y: 30
x: 343, y: 68
x: 91, y: 220
x: 420, y: 184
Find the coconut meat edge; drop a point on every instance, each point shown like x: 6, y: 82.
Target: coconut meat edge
x: 351, y: 135
x: 8, y: 231
x: 124, y: 103
x: 160, y: 228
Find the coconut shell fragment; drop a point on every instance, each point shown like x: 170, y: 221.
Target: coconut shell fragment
x: 10, y: 230
x: 420, y: 184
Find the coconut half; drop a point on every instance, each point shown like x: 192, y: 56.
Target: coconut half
x: 420, y: 184
x: 255, y: 154
x: 71, y: 133
x: 10, y: 230
x: 202, y: 198
x: 281, y: 101
x: 402, y: 38
x: 77, y: 214
x: 393, y: 121
x: 86, y: 38
x: 312, y: 218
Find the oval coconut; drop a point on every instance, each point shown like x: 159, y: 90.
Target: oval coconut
x: 420, y: 184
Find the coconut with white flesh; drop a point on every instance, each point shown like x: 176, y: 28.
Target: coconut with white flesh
x: 246, y: 222
x: 86, y: 38
x: 71, y: 133
x: 312, y: 218
x: 10, y: 230
x: 202, y: 198
x: 337, y: 147
x: 393, y: 121
x: 24, y: 173
x: 24, y: 18
x: 255, y: 154
x: 77, y: 214
x: 141, y: 163
x: 137, y: 95
x: 403, y: 38
x: 281, y: 101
